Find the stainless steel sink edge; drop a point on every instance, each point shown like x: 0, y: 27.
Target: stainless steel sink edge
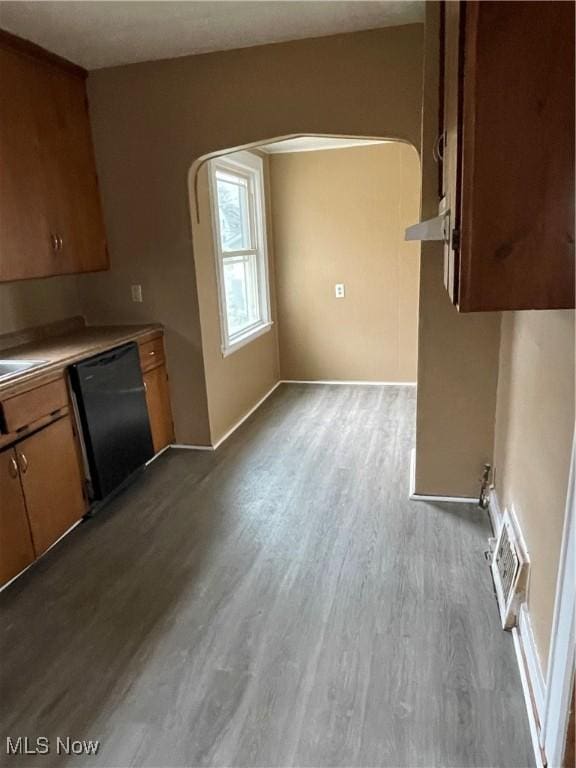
x: 11, y: 368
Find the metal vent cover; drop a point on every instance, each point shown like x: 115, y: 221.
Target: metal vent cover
x: 509, y: 571
x: 507, y: 563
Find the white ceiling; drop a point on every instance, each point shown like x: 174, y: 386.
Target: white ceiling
x: 315, y: 143
x: 100, y: 33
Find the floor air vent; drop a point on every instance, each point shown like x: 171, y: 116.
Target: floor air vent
x: 510, y: 572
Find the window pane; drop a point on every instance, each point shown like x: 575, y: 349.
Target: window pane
x: 233, y: 212
x: 240, y: 286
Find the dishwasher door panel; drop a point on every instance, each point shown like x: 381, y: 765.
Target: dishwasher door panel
x: 111, y: 403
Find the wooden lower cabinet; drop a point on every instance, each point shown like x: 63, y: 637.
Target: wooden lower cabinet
x: 159, y: 410
x: 41, y: 495
x: 52, y: 482
x: 16, y: 550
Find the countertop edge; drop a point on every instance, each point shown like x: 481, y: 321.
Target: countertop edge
x: 28, y: 380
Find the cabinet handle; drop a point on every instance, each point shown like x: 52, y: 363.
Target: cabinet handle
x: 57, y: 242
x: 152, y: 353
x: 13, y: 468
x: 23, y: 463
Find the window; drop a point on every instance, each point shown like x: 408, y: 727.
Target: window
x: 237, y: 193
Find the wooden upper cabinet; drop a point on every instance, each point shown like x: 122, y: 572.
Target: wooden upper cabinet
x: 50, y: 213
x: 69, y: 166
x: 508, y: 159
x: 25, y: 238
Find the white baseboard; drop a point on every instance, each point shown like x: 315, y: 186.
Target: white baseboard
x: 349, y: 383
x: 34, y: 562
x: 413, y: 496
x: 186, y: 447
x: 534, y: 670
x: 528, y: 660
x: 560, y: 667
x: 218, y: 443
x: 241, y: 421
x: 156, y: 455
x: 533, y: 722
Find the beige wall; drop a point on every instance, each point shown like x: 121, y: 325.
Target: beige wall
x: 234, y: 383
x: 534, y: 428
x: 457, y: 417
x: 339, y: 217
x: 369, y: 196
x: 151, y: 121
x: 457, y: 353
x: 27, y: 303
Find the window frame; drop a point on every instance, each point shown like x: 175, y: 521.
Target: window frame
x: 249, y: 167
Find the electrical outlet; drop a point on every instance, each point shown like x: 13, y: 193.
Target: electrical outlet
x: 339, y: 291
x: 136, y: 291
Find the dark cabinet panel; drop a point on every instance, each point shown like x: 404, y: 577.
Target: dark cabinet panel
x: 26, y: 242
x: 68, y: 162
x: 508, y: 172
x: 50, y: 214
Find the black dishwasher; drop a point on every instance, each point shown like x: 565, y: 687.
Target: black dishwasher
x: 111, y: 402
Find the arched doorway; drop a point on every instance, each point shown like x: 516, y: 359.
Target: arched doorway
x: 345, y: 235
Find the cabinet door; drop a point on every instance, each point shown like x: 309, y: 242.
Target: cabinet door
x: 69, y: 167
x: 52, y: 482
x: 50, y: 214
x: 26, y: 240
x: 159, y: 410
x: 16, y: 551
x: 517, y: 205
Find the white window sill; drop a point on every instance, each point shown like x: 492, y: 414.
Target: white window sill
x: 240, y: 342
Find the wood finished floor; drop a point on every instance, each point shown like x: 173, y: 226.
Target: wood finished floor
x: 277, y: 603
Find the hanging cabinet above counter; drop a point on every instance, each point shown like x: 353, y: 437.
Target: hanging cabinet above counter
x: 506, y: 155
x: 50, y: 214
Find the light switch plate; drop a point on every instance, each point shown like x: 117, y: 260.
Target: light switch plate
x: 339, y: 291
x: 136, y: 291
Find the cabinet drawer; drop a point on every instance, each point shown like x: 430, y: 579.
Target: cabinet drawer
x: 30, y: 406
x: 151, y: 354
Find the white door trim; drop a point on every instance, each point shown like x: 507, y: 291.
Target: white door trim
x: 563, y: 646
